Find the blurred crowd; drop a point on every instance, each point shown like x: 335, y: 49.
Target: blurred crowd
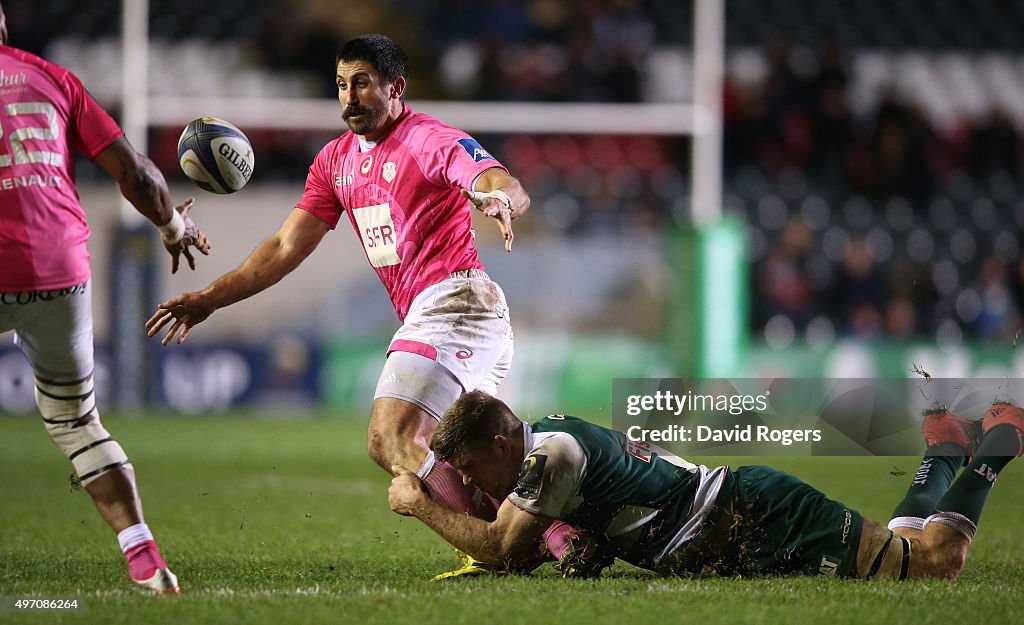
x: 873, y: 221
x: 872, y: 225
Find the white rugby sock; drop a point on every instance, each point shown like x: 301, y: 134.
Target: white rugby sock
x: 956, y: 521
x: 913, y: 522
x: 134, y: 535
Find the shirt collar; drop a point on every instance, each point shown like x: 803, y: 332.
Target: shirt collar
x: 527, y: 439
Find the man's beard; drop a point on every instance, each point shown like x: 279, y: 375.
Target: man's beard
x: 366, y: 124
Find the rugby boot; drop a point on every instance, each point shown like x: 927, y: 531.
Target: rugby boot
x: 471, y: 567
x: 162, y: 582
x: 1005, y: 414
x: 942, y: 426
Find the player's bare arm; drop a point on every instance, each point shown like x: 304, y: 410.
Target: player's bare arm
x: 510, y: 539
x: 272, y: 260
x: 500, y: 197
x: 144, y: 186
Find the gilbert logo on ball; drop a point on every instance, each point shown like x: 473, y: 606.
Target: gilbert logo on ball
x: 216, y: 155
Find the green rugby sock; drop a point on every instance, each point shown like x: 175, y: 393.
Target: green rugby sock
x: 933, y: 477
x: 968, y: 493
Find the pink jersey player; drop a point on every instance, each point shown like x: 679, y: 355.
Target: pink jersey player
x: 46, y: 113
x: 408, y: 183
x: 403, y: 198
x: 45, y: 288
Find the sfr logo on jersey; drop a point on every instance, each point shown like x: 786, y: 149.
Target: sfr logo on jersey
x: 377, y: 231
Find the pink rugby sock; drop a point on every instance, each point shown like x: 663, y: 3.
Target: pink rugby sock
x: 446, y: 488
x: 143, y: 560
x: 558, y: 537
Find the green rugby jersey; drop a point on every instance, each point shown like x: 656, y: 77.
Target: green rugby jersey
x: 646, y: 502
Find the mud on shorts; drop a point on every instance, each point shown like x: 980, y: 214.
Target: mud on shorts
x: 457, y: 337
x: 53, y: 328
x: 780, y: 525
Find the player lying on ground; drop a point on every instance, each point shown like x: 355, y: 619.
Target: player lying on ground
x: 45, y: 285
x: 668, y: 515
x: 407, y: 183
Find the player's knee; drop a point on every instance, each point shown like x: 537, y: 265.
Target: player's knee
x: 73, y: 424
x: 375, y: 445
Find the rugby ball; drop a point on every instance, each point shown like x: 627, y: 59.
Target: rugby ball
x: 215, y: 155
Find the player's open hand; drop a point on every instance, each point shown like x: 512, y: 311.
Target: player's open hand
x: 496, y: 205
x: 194, y: 238
x: 407, y: 492
x: 185, y: 310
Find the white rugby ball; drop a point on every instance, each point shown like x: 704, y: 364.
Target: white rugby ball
x: 216, y: 155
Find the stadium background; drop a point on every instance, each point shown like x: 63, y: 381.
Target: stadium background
x: 871, y: 159
x: 871, y: 167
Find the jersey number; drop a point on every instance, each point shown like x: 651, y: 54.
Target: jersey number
x: 18, y: 137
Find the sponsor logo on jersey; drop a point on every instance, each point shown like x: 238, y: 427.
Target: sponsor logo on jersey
x: 10, y: 80
x: 531, y: 474
x: 828, y: 566
x: 377, y: 231
x: 366, y: 164
x: 475, y: 150
x: 641, y: 450
x: 847, y: 523
x: 389, y: 170
x: 343, y: 181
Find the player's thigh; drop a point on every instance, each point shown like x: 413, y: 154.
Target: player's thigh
x: 56, y: 335
x: 463, y: 324
x: 417, y: 381
x: 791, y: 527
x: 412, y: 394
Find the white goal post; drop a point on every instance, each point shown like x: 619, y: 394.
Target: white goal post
x: 701, y: 119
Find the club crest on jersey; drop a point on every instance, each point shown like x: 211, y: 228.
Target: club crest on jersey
x: 531, y: 474
x: 475, y: 150
x: 389, y: 170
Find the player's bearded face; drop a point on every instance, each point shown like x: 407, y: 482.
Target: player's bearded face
x: 363, y: 119
x: 363, y: 96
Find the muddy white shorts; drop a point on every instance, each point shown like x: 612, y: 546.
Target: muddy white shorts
x: 457, y: 336
x: 53, y: 328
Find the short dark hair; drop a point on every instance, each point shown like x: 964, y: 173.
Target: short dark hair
x: 386, y: 56
x: 474, y: 419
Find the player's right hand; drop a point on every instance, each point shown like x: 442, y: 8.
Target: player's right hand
x: 407, y: 492
x: 194, y: 237
x: 185, y: 310
x: 491, y: 204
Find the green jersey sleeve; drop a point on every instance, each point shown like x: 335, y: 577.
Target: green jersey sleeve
x: 551, y: 476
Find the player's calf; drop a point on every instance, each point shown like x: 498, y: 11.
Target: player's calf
x: 73, y: 424
x: 942, y: 548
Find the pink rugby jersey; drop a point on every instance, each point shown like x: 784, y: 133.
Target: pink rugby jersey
x: 45, y: 113
x: 402, y: 197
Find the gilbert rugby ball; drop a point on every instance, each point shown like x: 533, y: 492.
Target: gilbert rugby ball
x: 215, y: 155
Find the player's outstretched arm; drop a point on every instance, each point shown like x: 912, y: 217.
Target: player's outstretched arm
x: 511, y: 539
x: 270, y: 261
x: 500, y: 197
x: 144, y: 186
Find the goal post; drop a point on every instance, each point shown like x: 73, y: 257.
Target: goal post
x: 701, y: 120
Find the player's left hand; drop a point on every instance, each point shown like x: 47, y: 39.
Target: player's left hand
x: 407, y: 492
x: 194, y: 238
x: 494, y: 206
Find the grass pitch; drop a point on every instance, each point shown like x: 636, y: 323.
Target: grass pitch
x: 286, y: 521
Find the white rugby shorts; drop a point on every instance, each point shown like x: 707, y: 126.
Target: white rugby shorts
x: 53, y: 329
x: 461, y: 327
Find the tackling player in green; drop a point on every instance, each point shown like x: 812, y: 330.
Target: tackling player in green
x: 671, y: 516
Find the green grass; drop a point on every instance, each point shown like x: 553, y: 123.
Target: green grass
x: 287, y: 521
